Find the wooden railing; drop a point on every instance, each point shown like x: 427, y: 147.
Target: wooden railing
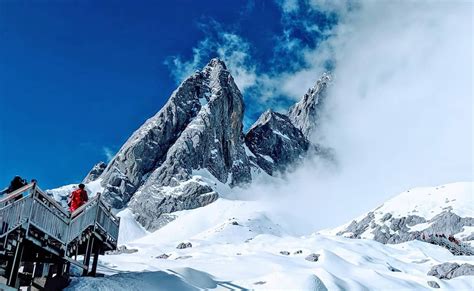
x: 44, y: 213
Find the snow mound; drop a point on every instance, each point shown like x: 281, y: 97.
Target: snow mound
x: 181, y: 279
x: 129, y: 229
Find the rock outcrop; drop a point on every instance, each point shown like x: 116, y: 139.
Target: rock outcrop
x: 306, y: 114
x: 451, y: 270
x: 398, y: 230
x: 95, y: 172
x: 433, y: 284
x: 275, y: 142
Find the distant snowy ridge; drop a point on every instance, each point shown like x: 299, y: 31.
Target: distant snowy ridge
x: 443, y: 210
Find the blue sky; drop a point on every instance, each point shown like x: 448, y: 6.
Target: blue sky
x: 78, y: 77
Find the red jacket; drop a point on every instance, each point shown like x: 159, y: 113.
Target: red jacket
x: 78, y: 198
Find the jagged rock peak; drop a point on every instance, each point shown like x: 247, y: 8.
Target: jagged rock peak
x: 268, y: 116
x: 148, y: 146
x: 275, y: 142
x: 217, y: 63
x: 95, y: 172
x: 305, y: 114
x: 199, y: 130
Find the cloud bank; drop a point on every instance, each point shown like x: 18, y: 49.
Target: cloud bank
x: 398, y: 115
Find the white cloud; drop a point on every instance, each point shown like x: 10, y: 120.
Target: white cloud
x: 341, y: 7
x: 230, y: 47
x: 289, y: 6
x: 235, y: 53
x: 399, y: 112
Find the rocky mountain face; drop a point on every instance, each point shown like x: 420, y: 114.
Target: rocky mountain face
x: 147, y: 147
x: 306, y: 114
x: 95, y: 172
x: 213, y: 140
x: 275, y: 142
x: 200, y: 129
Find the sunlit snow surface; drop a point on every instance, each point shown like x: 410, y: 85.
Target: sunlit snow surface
x: 237, y: 244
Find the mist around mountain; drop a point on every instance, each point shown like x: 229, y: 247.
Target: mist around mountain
x: 183, y: 186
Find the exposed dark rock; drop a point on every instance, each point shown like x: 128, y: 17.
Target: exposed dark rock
x: 433, y: 284
x: 162, y: 256
x: 312, y: 257
x: 357, y: 228
x: 456, y: 247
x: 121, y: 250
x: 183, y: 257
x: 275, y: 142
x: 451, y: 270
x: 298, y: 252
x: 184, y: 245
x: 397, y: 230
x: 95, y: 172
x: 392, y: 268
x: 285, y: 253
x: 448, y: 223
x: 386, y: 216
x: 306, y: 114
x: 149, y: 208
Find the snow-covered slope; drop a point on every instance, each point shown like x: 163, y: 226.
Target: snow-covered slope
x: 240, y: 244
x: 446, y: 209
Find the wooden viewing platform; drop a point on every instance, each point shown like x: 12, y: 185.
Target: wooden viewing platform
x: 41, y: 239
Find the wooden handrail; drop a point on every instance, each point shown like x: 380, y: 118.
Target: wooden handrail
x: 80, y: 209
x: 17, y: 192
x: 52, y: 201
x: 37, y: 197
x: 109, y: 212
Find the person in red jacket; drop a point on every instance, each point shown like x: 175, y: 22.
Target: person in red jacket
x: 77, y: 198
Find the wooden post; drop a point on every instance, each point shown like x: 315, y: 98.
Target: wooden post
x: 14, y: 265
x: 87, y: 255
x: 93, y: 272
x: 68, y: 267
x: 60, y: 268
